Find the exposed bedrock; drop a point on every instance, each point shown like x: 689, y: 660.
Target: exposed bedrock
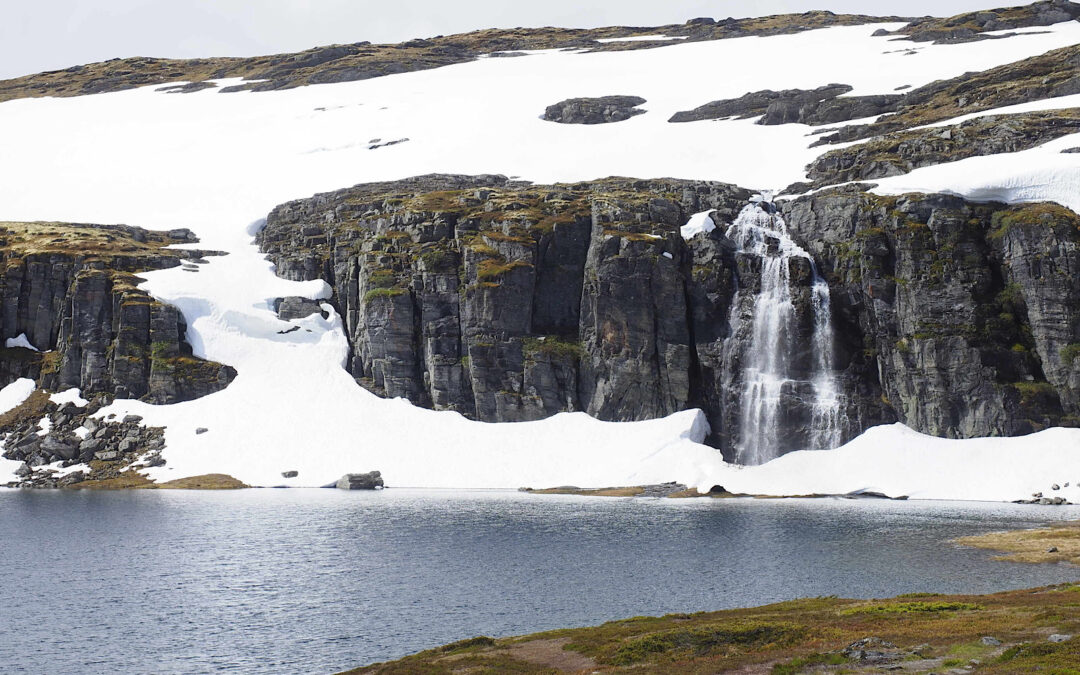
x: 71, y: 290
x: 823, y: 105
x: 970, y: 313
x: 973, y: 25
x: 507, y: 301
x: 602, y: 110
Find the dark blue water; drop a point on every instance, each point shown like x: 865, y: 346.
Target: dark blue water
x: 292, y: 581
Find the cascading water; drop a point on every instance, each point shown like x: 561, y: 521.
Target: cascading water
x: 776, y: 375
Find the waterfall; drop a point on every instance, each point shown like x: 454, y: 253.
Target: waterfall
x: 783, y: 391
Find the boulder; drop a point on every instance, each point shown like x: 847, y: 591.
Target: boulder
x: 360, y: 481
x: 290, y: 474
x: 295, y: 307
x: 602, y: 110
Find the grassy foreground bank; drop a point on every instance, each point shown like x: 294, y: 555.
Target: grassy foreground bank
x: 1027, y: 631
x: 1011, y: 632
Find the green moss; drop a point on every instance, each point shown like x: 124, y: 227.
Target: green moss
x: 1031, y: 392
x: 704, y: 640
x: 1070, y: 353
x: 376, y: 293
x: 382, y: 278
x: 554, y: 346
x: 870, y: 232
x: 1029, y: 215
x: 491, y: 269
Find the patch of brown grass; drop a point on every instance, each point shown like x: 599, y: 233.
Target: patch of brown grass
x: 628, y: 491
x: 1032, y: 546
x: 209, y: 481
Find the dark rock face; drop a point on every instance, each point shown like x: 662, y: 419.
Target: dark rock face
x: 79, y: 303
x: 508, y: 302
x: 602, y: 110
x: 966, y: 311
x: 817, y: 106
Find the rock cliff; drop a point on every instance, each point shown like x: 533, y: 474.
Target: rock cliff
x: 71, y: 290
x: 507, y: 301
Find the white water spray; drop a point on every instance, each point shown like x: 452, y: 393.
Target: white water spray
x: 770, y: 328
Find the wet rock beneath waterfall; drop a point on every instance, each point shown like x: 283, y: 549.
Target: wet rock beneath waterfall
x: 360, y: 481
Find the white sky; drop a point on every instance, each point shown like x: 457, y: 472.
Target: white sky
x: 37, y: 35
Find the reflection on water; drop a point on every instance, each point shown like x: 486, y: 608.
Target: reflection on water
x: 287, y: 581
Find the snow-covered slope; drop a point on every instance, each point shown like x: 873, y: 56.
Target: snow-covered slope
x: 217, y: 163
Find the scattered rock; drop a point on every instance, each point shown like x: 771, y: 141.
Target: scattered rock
x: 360, y: 481
x: 131, y: 419
x: 872, y: 650
x: 290, y: 474
x: 990, y: 641
x: 201, y: 430
x: 1058, y: 637
x: 1052, y: 549
x: 1055, y: 486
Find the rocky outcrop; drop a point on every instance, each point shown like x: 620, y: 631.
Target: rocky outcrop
x: 602, y: 110
x: 363, y: 60
x: 508, y: 301
x: 966, y: 311
x: 823, y: 105
x: 1053, y: 74
x: 898, y: 153
x: 71, y: 290
x: 974, y: 25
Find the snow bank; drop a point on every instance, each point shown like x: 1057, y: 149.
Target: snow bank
x: 896, y: 461
x: 10, y: 397
x: 1043, y: 173
x: 216, y: 162
x: 69, y: 396
x: 15, y: 393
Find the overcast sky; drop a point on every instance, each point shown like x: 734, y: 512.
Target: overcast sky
x: 37, y: 35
